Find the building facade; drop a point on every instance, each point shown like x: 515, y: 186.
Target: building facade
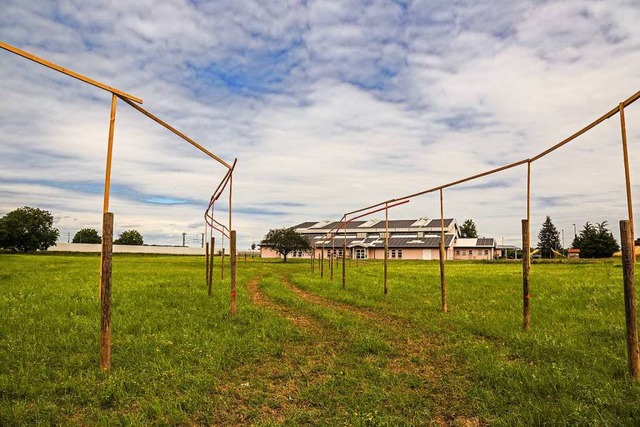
x: 417, y: 239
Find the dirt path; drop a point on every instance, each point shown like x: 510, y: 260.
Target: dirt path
x: 414, y: 352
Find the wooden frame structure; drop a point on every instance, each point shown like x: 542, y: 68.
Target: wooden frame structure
x: 108, y: 218
x: 627, y: 233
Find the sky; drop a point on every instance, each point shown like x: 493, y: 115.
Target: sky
x: 329, y: 106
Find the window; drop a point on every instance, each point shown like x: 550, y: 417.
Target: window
x: 457, y: 251
x: 393, y: 253
x: 470, y: 251
x: 464, y: 252
x: 486, y: 251
x: 360, y: 253
x: 328, y: 253
x: 340, y: 253
x: 399, y: 253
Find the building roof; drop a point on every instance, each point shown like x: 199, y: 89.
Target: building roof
x: 436, y: 223
x: 475, y: 243
x: 339, y: 224
x: 304, y: 225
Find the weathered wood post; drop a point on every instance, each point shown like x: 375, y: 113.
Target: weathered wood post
x: 233, y: 261
x: 331, y: 258
x: 627, y: 176
x: 222, y: 265
x: 526, y: 266
x: 630, y: 311
x: 322, y: 262
x: 344, y: 256
x: 105, y: 291
x: 206, y: 254
x: 212, y: 246
x: 386, y: 247
x: 443, y: 257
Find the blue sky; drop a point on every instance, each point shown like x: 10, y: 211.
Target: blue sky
x: 328, y: 106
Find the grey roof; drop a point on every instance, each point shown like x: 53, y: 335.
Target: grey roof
x: 485, y: 242
x: 436, y: 223
x: 304, y: 225
x: 339, y: 224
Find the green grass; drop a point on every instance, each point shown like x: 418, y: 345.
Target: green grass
x: 303, y: 351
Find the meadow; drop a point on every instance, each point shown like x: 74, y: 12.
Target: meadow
x: 303, y: 351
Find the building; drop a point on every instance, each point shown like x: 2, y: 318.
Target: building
x: 408, y: 239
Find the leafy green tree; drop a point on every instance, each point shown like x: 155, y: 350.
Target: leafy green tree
x: 468, y: 229
x: 286, y: 240
x: 548, y: 239
x: 27, y: 230
x: 87, y: 235
x: 129, y: 237
x: 596, y: 241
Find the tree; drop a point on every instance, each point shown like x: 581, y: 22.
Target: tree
x: 129, y: 237
x: 253, y: 246
x: 596, y: 241
x: 27, y: 230
x: 548, y: 239
x: 87, y: 235
x: 468, y: 229
x: 286, y: 240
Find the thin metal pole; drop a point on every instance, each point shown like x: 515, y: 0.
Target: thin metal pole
x: 526, y: 258
x: 627, y: 176
x: 107, y: 177
x: 107, y: 185
x: 443, y: 256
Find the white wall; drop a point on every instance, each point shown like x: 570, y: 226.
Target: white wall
x: 127, y: 249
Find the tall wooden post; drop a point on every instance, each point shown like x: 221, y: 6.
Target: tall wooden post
x: 630, y: 311
x: 106, y: 252
x: 232, y: 250
x: 105, y: 291
x: 386, y: 246
x: 322, y: 262
x: 222, y: 265
x: 443, y: 257
x: 331, y: 258
x: 625, y: 155
x: 526, y: 266
x: 206, y: 254
x: 213, y: 245
x: 344, y: 256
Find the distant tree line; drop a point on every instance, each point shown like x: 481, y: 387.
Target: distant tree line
x: 30, y: 229
x: 594, y: 241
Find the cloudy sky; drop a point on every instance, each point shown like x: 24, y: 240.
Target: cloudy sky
x: 329, y: 106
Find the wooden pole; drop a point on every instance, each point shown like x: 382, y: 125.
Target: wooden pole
x: 344, y: 256
x: 322, y: 262
x: 332, y: 256
x: 107, y: 174
x: 222, y: 265
x: 232, y: 249
x: 625, y: 155
x: 630, y: 311
x: 526, y: 266
x: 213, y: 244
x: 105, y: 291
x: 206, y: 254
x: 443, y: 256
x: 386, y: 246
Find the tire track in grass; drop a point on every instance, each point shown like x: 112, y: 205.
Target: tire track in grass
x: 414, y: 353
x: 268, y: 392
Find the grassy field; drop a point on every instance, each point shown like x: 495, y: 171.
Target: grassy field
x: 305, y: 352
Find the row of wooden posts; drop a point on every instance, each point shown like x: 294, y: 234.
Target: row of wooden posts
x: 628, y: 263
